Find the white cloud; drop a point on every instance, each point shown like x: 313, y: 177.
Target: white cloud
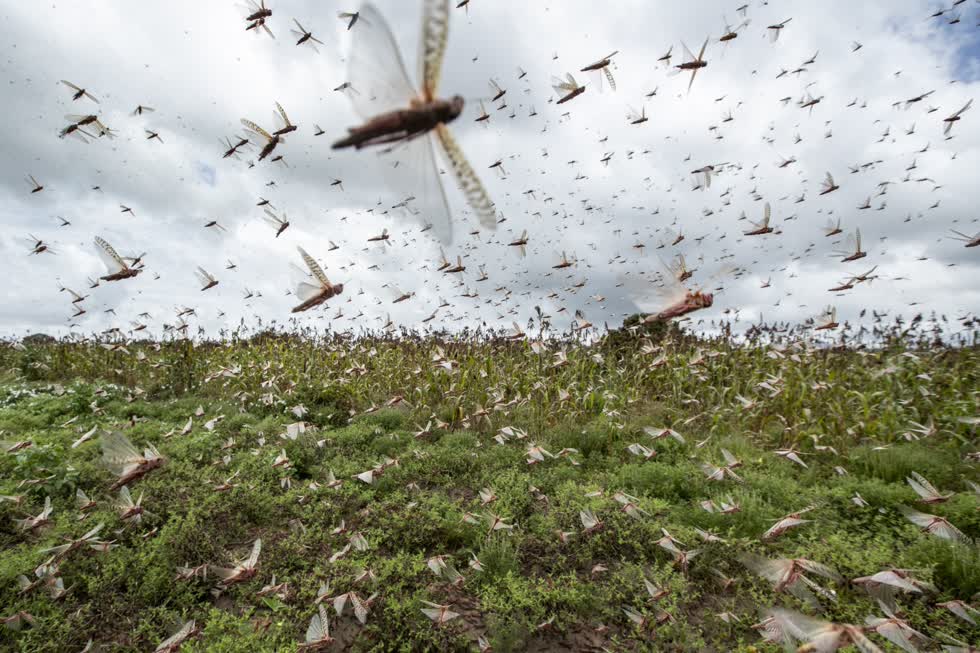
x: 202, y: 72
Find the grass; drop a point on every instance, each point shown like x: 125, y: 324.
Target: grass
x: 366, y: 401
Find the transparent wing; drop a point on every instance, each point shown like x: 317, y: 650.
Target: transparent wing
x: 435, y: 36
x: 314, y: 266
x: 717, y: 277
x: 689, y: 56
x: 125, y: 498
x: 278, y: 121
x: 255, y: 128
x: 253, y: 558
x: 306, y: 291
x: 476, y: 195
x: 563, y: 86
x: 319, y: 626
x: 411, y: 168
x: 179, y: 636
x: 434, y: 207
x: 921, y: 519
x: 92, y: 533
x: 118, y: 451
x: 800, y: 626
x: 648, y: 296
x: 376, y: 68
x: 272, y: 219
x: 109, y: 255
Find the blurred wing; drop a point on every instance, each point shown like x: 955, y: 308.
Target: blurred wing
x: 272, y: 219
x: 771, y: 570
x: 687, y: 53
x: 560, y: 86
x: 820, y: 569
x: 435, y: 36
x: 649, y: 297
x: 222, y: 572
x: 109, y: 255
x: 719, y: 275
x: 476, y: 195
x: 609, y: 78
x: 410, y: 169
x: 92, y: 533
x: 376, y: 69
x: 306, y: 291
x: 360, y: 608
x: 179, y: 636
x: 118, y: 451
x: 314, y: 267
x: 920, y: 519
x: 125, y: 498
x: 282, y: 113
x: 800, y: 626
x: 255, y: 128
x: 253, y: 558
x: 319, y: 626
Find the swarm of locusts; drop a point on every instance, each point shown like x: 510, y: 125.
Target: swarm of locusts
x: 810, y: 486
x: 622, y: 491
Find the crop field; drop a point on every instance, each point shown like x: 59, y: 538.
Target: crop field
x: 490, y: 326
x: 639, y: 492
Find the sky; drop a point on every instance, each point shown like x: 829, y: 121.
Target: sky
x: 202, y: 72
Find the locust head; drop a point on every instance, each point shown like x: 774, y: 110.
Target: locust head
x: 454, y: 108
x: 703, y: 300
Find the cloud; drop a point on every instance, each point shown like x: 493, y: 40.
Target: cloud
x: 202, y: 72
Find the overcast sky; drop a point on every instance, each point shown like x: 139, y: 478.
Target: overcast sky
x: 197, y: 66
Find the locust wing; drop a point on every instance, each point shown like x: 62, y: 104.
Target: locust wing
x: 258, y: 131
x: 118, y: 453
x: 179, y: 636
x: 319, y: 629
x: 376, y: 68
x: 253, y: 558
x: 281, y: 117
x: 109, y: 256
x: 314, y: 267
x: 361, y: 609
x: 650, y: 297
x: 435, y: 36
x: 303, y: 288
x: 476, y: 195
x: 609, y: 77
x: 564, y: 86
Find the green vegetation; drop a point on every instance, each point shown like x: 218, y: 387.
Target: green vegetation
x: 439, y: 421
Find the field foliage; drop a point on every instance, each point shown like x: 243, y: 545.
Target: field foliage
x: 544, y: 428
